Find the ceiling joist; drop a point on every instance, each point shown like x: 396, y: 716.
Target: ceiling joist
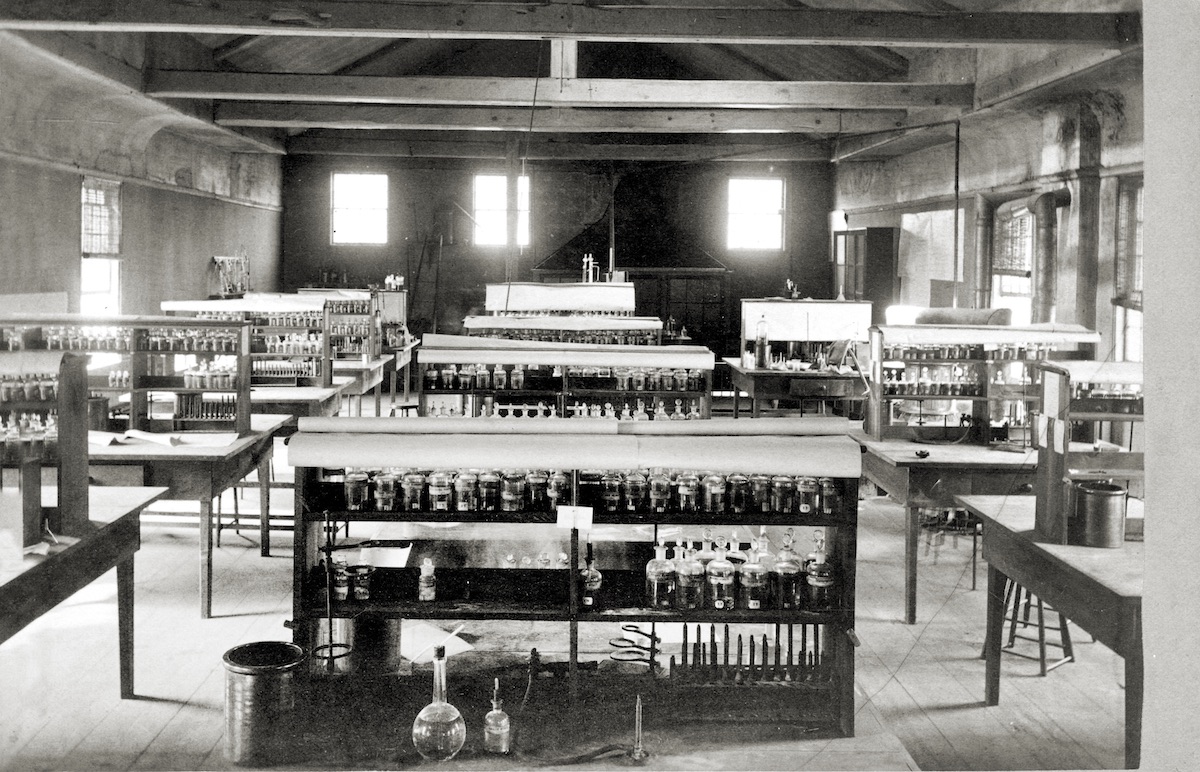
x: 590, y: 22
x: 565, y: 92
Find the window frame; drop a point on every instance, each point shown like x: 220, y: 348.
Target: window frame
x: 99, y: 220
x: 731, y: 213
x: 114, y: 285
x: 480, y: 215
x: 1004, y: 241
x: 334, y: 209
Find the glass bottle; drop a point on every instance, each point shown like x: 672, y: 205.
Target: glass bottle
x: 512, y: 491
x: 558, y: 488
x: 791, y: 579
x: 762, y: 347
x: 466, y: 491
x: 688, y: 485
x: 497, y: 728
x: 489, y: 491
x: 689, y: 581
x: 385, y: 491
x: 739, y: 493
x: 635, y: 486
x: 660, y: 579
x: 714, y: 494
x: 660, y: 491
x: 441, y: 486
x: 427, y: 582
x: 610, y: 491
x: 706, y: 552
x: 439, y: 730
x: 719, y: 576
x: 760, y: 492
x: 499, y: 377
x: 763, y: 549
x: 734, y: 552
x: 831, y: 499
x: 592, y: 581
x: 807, y: 493
x: 783, y: 490
x: 517, y: 379
x: 537, y: 484
x: 821, y: 595
x: 753, y: 589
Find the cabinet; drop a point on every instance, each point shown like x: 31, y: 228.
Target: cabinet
x: 202, y: 365
x: 954, y: 383
x: 1072, y: 393
x: 866, y: 266
x: 818, y: 687
x: 479, y: 377
x: 43, y: 406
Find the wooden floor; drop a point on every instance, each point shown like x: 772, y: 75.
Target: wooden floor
x: 58, y: 692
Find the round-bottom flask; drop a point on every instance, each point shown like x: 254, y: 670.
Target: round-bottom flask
x: 439, y: 730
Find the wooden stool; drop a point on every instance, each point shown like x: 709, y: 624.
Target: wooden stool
x: 1019, y: 620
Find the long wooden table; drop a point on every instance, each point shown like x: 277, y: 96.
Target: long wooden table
x: 934, y: 480
x: 361, y: 377
x: 1096, y: 588
x: 44, y: 581
x: 762, y: 385
x: 298, y: 401
x: 198, y: 472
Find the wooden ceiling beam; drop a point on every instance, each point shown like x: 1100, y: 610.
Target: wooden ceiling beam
x: 564, y: 92
x: 553, y: 119
x: 585, y: 22
x: 558, y: 151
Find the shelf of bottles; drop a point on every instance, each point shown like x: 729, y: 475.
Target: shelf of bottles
x: 613, y: 328
x: 961, y: 382
x: 201, y: 363
x: 354, y: 327
x: 287, y: 348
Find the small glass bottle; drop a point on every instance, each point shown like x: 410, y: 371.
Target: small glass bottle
x: 660, y: 579
x: 760, y: 493
x: 558, y: 488
x: 831, y: 498
x: 706, y: 553
x: 790, y: 586
x: 517, y: 379
x: 821, y: 594
x: 739, y: 493
x: 753, y: 588
x: 688, y: 485
x: 591, y: 581
x: 762, y: 347
x: 634, y: 486
x: 610, y: 491
x: 714, y: 494
x: 439, y: 730
x: 441, y: 487
x: 466, y: 491
x: 497, y: 728
x: 719, y: 576
x: 537, y: 484
x: 489, y: 491
x: 499, y: 377
x: 385, y: 491
x: 807, y: 495
x: 689, y: 581
x: 660, y: 491
x: 783, y: 490
x: 427, y: 582
x: 512, y: 491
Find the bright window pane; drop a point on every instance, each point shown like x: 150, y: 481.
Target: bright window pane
x: 100, y: 211
x: 491, y: 227
x: 100, y: 286
x: 491, y: 210
x: 360, y: 208
x: 755, y: 214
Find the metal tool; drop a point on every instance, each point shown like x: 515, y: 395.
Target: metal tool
x: 631, y: 650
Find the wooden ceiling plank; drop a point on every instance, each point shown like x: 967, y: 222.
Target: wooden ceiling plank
x: 567, y: 92
x: 553, y: 119
x: 648, y: 24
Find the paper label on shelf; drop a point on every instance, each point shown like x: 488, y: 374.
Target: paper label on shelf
x: 1043, y: 431
x: 574, y: 517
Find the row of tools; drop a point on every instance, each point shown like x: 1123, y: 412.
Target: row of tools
x: 752, y: 661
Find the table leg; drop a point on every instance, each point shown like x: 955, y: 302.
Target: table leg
x: 407, y: 374
x: 392, y: 391
x: 737, y: 393
x: 993, y: 636
x: 755, y: 408
x: 911, y: 533
x: 1134, y: 675
x: 206, y: 557
x: 378, y: 396
x: 125, y: 625
x: 264, y: 500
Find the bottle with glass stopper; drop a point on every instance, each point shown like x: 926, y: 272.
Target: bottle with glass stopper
x: 591, y: 580
x: 439, y: 730
x: 752, y: 593
x: 689, y: 581
x: 790, y: 581
x: 660, y: 579
x: 497, y: 728
x: 719, y: 574
x: 706, y: 553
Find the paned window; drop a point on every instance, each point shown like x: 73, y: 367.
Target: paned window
x: 1128, y: 299
x: 491, y: 210
x: 100, y: 224
x: 755, y: 214
x: 359, y: 204
x: 1012, y: 260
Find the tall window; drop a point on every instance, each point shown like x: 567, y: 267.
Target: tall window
x: 1012, y: 260
x: 1128, y: 300
x: 491, y: 209
x: 359, y: 205
x: 755, y: 214
x: 100, y: 242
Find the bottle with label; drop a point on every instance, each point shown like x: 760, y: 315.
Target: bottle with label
x: 427, y: 582
x: 497, y: 728
x: 439, y: 730
x: 635, y: 487
x: 752, y: 593
x: 762, y: 347
x: 719, y: 575
x: 689, y: 581
x: 558, y: 488
x: 592, y: 581
x: 807, y: 495
x: 660, y: 579
x: 821, y: 594
x: 790, y: 582
x: 441, y: 487
x: 831, y: 498
x: 660, y: 491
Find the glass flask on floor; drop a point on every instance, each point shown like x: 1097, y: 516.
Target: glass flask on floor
x: 439, y: 730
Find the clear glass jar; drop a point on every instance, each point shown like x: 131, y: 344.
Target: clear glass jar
x: 660, y: 491
x: 831, y: 497
x: 441, y: 488
x: 635, y: 487
x: 413, y: 486
x: 558, y: 488
x: 610, y: 491
x: 448, y: 376
x: 753, y: 589
x: 637, y: 379
x: 466, y: 377
x: 518, y: 377
x: 807, y: 496
x: 760, y: 492
x: 385, y: 491
x: 512, y: 491
x: 714, y: 494
x: 719, y: 582
x: 466, y: 491
x: 680, y: 379
x: 537, y: 488
x: 783, y: 492
x: 355, y: 484
x: 483, y: 377
x: 489, y: 491
x: 660, y: 580
x: 499, y: 377
x: 740, y: 500
x: 688, y: 486
x: 689, y: 582
x: 822, y: 590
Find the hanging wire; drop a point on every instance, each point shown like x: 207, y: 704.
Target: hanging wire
x: 957, y: 162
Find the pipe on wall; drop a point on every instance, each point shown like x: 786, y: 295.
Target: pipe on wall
x: 1045, y: 251
x: 985, y: 210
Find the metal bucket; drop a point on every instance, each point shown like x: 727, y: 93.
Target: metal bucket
x: 1098, y: 515
x: 259, y: 699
